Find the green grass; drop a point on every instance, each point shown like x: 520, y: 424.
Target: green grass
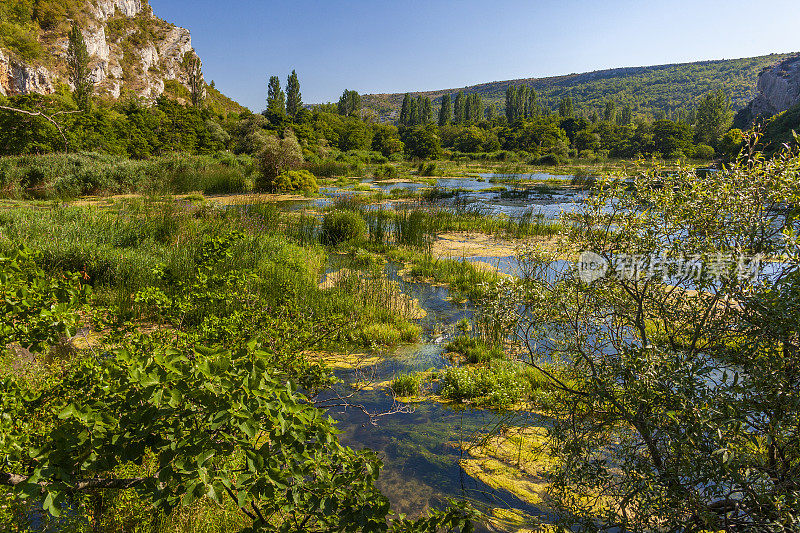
x: 407, y: 384
x: 499, y: 383
x: 65, y: 176
x: 461, y: 276
x: 473, y: 349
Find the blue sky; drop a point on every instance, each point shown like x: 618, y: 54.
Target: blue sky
x: 391, y: 46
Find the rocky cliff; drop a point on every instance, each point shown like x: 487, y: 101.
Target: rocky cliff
x: 778, y: 90
x: 132, y: 52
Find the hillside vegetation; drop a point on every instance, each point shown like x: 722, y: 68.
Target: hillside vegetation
x: 662, y: 91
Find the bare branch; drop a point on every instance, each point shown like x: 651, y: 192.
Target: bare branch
x: 49, y: 118
x: 12, y: 480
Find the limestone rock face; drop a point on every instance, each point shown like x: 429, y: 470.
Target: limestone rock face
x: 778, y: 90
x: 121, y: 59
x: 17, y: 77
x: 104, y: 9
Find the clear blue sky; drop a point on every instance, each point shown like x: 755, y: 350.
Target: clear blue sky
x: 397, y: 46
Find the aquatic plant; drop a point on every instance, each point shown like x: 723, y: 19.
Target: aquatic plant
x: 342, y: 226
x: 406, y: 384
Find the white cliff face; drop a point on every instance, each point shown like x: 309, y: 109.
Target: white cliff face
x: 177, y: 42
x: 148, y: 69
x: 105, y: 9
x: 16, y: 77
x: 96, y: 44
x: 778, y: 90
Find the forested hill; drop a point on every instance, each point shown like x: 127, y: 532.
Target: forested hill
x: 671, y: 91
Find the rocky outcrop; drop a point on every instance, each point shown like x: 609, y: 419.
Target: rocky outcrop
x: 778, y: 90
x: 105, y: 9
x: 17, y: 77
x: 116, y: 65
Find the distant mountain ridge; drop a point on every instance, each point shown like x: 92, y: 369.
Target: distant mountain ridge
x: 671, y: 89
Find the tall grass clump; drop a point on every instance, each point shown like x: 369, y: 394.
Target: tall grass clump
x: 461, y: 276
x: 64, y: 176
x: 304, y: 229
x: 328, y: 169
x: 473, y: 349
x: 379, y: 224
x: 406, y: 384
x: 531, y: 223
x: 415, y: 228
x: 342, y: 226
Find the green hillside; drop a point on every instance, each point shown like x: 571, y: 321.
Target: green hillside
x: 780, y: 129
x: 663, y: 90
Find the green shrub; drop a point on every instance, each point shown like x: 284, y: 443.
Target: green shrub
x: 498, y: 384
x: 473, y: 349
x: 296, y: 180
x: 428, y: 169
x: 384, y: 172
x: 703, y: 151
x: 406, y: 384
x: 343, y: 226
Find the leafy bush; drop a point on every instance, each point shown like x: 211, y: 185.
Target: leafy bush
x: 296, y: 180
x: 406, y: 384
x: 343, y: 226
x: 36, y: 310
x: 703, y: 151
x: 384, y: 172
x: 498, y: 384
x: 276, y: 157
x: 474, y: 350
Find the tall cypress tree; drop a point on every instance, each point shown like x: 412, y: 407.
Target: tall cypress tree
x: 491, y: 112
x: 565, y: 108
x: 511, y: 93
x: 416, y: 109
x: 405, y: 111
x: 626, y: 116
x: 349, y: 103
x: 476, y: 110
x: 609, y: 111
x: 194, y: 71
x: 533, y: 103
x: 458, y: 108
x: 426, y: 113
x: 294, y: 100
x: 78, y: 66
x: 446, y: 111
x: 276, y: 98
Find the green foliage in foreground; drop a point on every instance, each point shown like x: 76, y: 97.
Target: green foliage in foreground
x: 679, y: 397
x: 36, y: 311
x: 205, y: 424
x: 164, y: 421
